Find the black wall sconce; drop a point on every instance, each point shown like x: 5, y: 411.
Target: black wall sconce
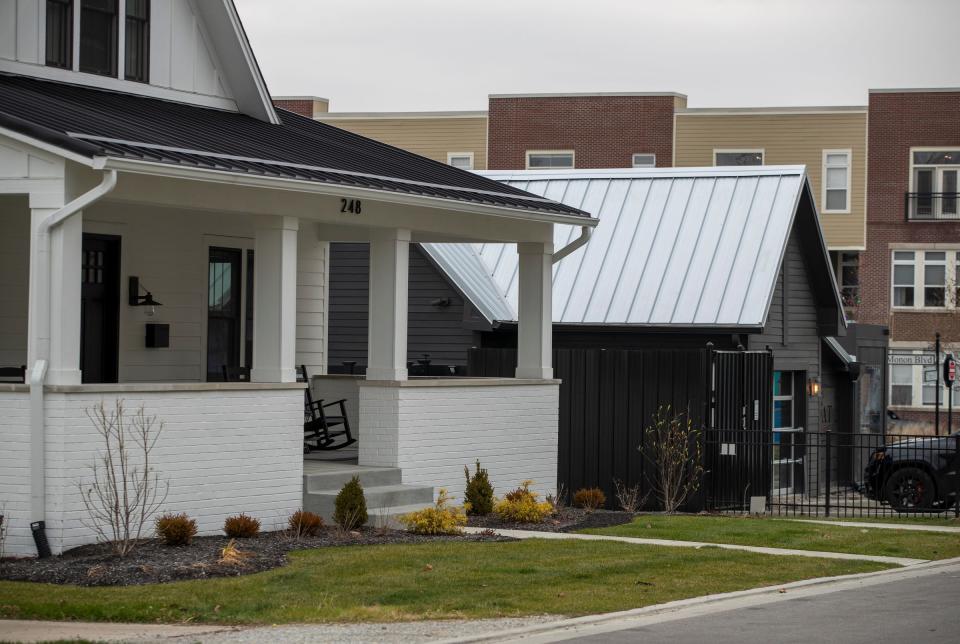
x: 813, y: 387
x: 142, y: 300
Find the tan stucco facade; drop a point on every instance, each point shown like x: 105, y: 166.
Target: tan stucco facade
x: 790, y: 136
x: 434, y: 135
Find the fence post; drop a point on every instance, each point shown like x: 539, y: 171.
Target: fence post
x: 827, y: 443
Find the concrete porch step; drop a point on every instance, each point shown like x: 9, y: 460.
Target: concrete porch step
x: 325, y: 476
x: 381, y: 499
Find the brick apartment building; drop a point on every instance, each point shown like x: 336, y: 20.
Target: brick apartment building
x: 910, y: 271
x: 581, y: 130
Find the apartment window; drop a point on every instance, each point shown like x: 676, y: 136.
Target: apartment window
x: 642, y: 160
x: 137, y: 41
x: 60, y: 33
x: 935, y: 184
x: 836, y: 181
x: 935, y: 279
x: 98, y: 37
x: 737, y: 157
x: 547, y: 159
x: 904, y: 271
x: 901, y: 384
x: 848, y: 275
x: 462, y: 160
x: 783, y: 417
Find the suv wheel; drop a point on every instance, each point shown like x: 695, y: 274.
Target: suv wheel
x: 909, y: 489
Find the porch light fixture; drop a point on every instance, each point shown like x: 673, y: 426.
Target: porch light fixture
x: 142, y: 300
x: 813, y: 387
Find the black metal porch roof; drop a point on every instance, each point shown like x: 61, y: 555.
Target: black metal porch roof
x: 99, y: 123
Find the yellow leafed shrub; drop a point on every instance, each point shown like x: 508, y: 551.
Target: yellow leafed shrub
x: 523, y: 505
x: 441, y: 518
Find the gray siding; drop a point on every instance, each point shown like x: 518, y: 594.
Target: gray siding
x: 792, y: 329
x: 439, y: 331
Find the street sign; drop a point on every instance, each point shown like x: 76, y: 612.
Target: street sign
x: 912, y: 358
x: 949, y: 370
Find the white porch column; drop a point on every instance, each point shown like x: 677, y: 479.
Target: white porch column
x: 275, y: 300
x: 54, y: 316
x: 535, y: 332
x: 387, y: 334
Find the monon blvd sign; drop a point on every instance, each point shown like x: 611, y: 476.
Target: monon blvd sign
x: 912, y: 359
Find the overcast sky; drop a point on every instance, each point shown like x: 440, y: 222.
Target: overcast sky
x: 398, y: 55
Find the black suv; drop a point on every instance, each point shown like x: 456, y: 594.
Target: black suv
x: 916, y: 474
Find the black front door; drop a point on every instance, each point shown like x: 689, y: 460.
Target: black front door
x: 100, y: 308
x: 229, y: 314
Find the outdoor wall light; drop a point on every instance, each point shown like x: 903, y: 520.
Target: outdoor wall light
x: 813, y: 387
x: 142, y: 300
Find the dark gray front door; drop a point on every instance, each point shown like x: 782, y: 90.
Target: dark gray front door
x: 100, y: 308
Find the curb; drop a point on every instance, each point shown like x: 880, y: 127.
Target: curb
x: 674, y: 606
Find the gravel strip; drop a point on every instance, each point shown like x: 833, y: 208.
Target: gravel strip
x: 402, y: 632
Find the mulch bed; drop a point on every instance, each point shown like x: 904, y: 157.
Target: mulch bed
x: 152, y: 562
x: 566, y: 520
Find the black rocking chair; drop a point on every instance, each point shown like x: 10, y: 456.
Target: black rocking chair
x: 317, y: 423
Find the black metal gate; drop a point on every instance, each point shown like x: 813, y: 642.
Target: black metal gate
x: 737, y: 448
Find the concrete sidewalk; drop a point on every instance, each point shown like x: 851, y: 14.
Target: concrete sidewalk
x: 529, y: 534
x: 16, y: 630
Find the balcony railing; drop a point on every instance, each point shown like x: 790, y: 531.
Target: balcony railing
x: 932, y: 206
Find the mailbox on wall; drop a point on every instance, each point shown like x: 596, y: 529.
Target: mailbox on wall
x: 158, y: 336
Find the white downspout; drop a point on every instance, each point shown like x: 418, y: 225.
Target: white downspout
x: 38, y: 372
x: 585, y: 232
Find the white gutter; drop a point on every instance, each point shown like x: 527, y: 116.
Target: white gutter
x: 39, y: 370
x: 585, y: 232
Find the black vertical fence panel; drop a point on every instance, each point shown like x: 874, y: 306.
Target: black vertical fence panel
x: 607, y: 399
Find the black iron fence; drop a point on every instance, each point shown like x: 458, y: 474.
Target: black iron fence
x: 932, y: 206
x: 832, y: 474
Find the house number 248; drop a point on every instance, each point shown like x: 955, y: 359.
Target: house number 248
x: 350, y: 205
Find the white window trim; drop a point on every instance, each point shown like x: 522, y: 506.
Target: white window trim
x: 952, y: 258
x: 633, y: 159
x: 761, y: 151
x: 926, y: 148
x: 823, y: 180
x: 572, y: 153
x: 451, y: 155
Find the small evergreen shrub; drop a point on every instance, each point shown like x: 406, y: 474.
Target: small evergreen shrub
x: 304, y: 524
x: 241, y: 527
x: 351, y: 507
x: 522, y: 506
x: 176, y: 529
x: 479, y: 493
x: 441, y: 518
x: 589, y: 498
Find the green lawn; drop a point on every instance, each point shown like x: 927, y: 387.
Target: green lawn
x: 778, y: 533
x: 943, y: 520
x: 431, y: 581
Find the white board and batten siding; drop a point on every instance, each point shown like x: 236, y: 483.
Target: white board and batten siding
x: 182, y: 57
x: 433, y: 429
x: 222, y: 452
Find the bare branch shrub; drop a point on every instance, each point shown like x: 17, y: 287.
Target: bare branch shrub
x: 630, y: 498
x: 673, y: 445
x: 125, y: 491
x: 3, y: 531
x: 559, y: 499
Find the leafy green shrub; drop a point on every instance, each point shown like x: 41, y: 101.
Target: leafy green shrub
x: 241, y: 527
x: 176, y: 529
x: 438, y: 519
x: 351, y: 507
x: 522, y: 506
x: 589, y: 498
x: 479, y: 494
x: 304, y: 524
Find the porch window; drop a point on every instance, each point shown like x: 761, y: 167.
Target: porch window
x: 901, y: 384
x: 641, y: 160
x: 59, y: 44
x: 462, y: 160
x: 848, y: 277
x: 737, y: 157
x: 137, y: 41
x: 935, y: 185
x: 98, y: 37
x: 836, y: 181
x: 903, y: 278
x: 547, y: 159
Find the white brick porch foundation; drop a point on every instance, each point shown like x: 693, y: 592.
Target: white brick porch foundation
x: 225, y: 448
x: 432, y: 428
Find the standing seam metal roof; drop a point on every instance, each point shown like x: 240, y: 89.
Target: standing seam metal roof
x: 697, y: 247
